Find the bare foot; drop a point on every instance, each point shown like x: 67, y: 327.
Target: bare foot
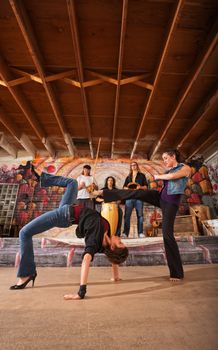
x: 174, y: 279
x: 116, y: 279
x: 72, y: 297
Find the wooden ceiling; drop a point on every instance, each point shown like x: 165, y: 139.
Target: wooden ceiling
x: 139, y: 74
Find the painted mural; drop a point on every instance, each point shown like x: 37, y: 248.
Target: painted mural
x: 212, y: 166
x: 33, y: 200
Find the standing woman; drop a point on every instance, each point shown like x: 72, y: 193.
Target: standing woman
x: 85, y: 181
x: 110, y: 184
x: 135, y: 180
x: 168, y: 200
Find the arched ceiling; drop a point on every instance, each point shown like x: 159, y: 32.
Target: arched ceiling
x: 139, y: 74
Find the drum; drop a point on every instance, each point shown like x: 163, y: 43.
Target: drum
x: 132, y: 185
x: 109, y: 211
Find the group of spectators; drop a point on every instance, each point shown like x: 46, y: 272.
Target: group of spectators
x: 135, y: 180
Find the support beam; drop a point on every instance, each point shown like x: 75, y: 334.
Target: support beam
x: 206, y: 141
x: 199, y: 116
x: 27, y: 77
x: 130, y: 80
x: 202, y: 59
x: 119, y: 72
x: 20, y: 100
x: 28, y: 35
x: 68, y: 141
x: 21, y: 138
x: 29, y: 147
x: 104, y: 77
x: 33, y: 77
x: 77, y: 52
x: 8, y: 124
x: 23, y: 105
x: 171, y: 30
x: 7, y: 146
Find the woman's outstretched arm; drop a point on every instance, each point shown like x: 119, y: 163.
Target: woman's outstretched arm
x: 83, y: 279
x: 183, y: 172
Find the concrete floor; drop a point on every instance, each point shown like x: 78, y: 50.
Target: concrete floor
x: 143, y: 311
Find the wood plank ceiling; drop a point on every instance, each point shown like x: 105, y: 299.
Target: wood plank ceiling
x: 139, y: 74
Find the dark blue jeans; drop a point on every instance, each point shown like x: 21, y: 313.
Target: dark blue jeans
x: 55, y: 218
x: 129, y: 206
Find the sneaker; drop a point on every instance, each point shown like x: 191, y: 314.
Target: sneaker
x: 124, y: 235
x: 141, y: 235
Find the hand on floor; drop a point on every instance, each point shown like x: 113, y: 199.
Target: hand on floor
x: 72, y: 297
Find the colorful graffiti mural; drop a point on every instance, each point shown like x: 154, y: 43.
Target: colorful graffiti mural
x: 32, y: 200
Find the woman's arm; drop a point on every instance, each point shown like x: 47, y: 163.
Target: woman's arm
x: 85, y: 268
x: 83, y: 278
x: 81, y: 185
x: 139, y: 187
x: 115, y: 273
x: 184, y: 172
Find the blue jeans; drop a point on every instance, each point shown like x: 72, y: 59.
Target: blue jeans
x: 55, y: 218
x: 129, y: 206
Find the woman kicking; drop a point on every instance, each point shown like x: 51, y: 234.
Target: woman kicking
x: 168, y: 200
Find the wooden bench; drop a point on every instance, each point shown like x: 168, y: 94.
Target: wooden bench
x: 184, y: 224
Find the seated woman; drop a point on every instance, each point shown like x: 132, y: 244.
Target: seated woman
x: 110, y: 184
x: 91, y: 226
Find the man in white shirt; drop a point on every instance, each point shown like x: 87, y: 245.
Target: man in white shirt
x: 85, y: 184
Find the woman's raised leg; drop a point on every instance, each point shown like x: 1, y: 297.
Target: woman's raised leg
x: 71, y: 185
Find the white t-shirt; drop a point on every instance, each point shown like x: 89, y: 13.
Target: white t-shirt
x: 83, y: 193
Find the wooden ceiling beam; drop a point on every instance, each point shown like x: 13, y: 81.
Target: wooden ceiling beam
x: 202, y: 59
x: 119, y: 71
x: 92, y: 82
x: 8, y: 124
x: 206, y: 141
x: 59, y: 76
x: 72, y: 82
x: 19, y: 81
x: 77, y: 53
x: 33, y: 77
x: 198, y: 117
x: 24, y: 106
x: 30, y: 148
x: 7, y: 146
x: 144, y: 85
x: 20, y: 137
x: 3, y: 83
x: 28, y: 35
x: 172, y: 26
x: 130, y: 80
x: 64, y: 77
x: 104, y: 77
x: 136, y: 80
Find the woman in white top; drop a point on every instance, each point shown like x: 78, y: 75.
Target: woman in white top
x: 85, y: 184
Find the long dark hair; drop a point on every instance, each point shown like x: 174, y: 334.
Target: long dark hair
x: 106, y: 180
x: 174, y: 152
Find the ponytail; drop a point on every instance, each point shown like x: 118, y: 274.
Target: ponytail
x: 174, y: 152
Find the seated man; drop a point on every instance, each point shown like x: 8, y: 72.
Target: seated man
x: 91, y: 226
